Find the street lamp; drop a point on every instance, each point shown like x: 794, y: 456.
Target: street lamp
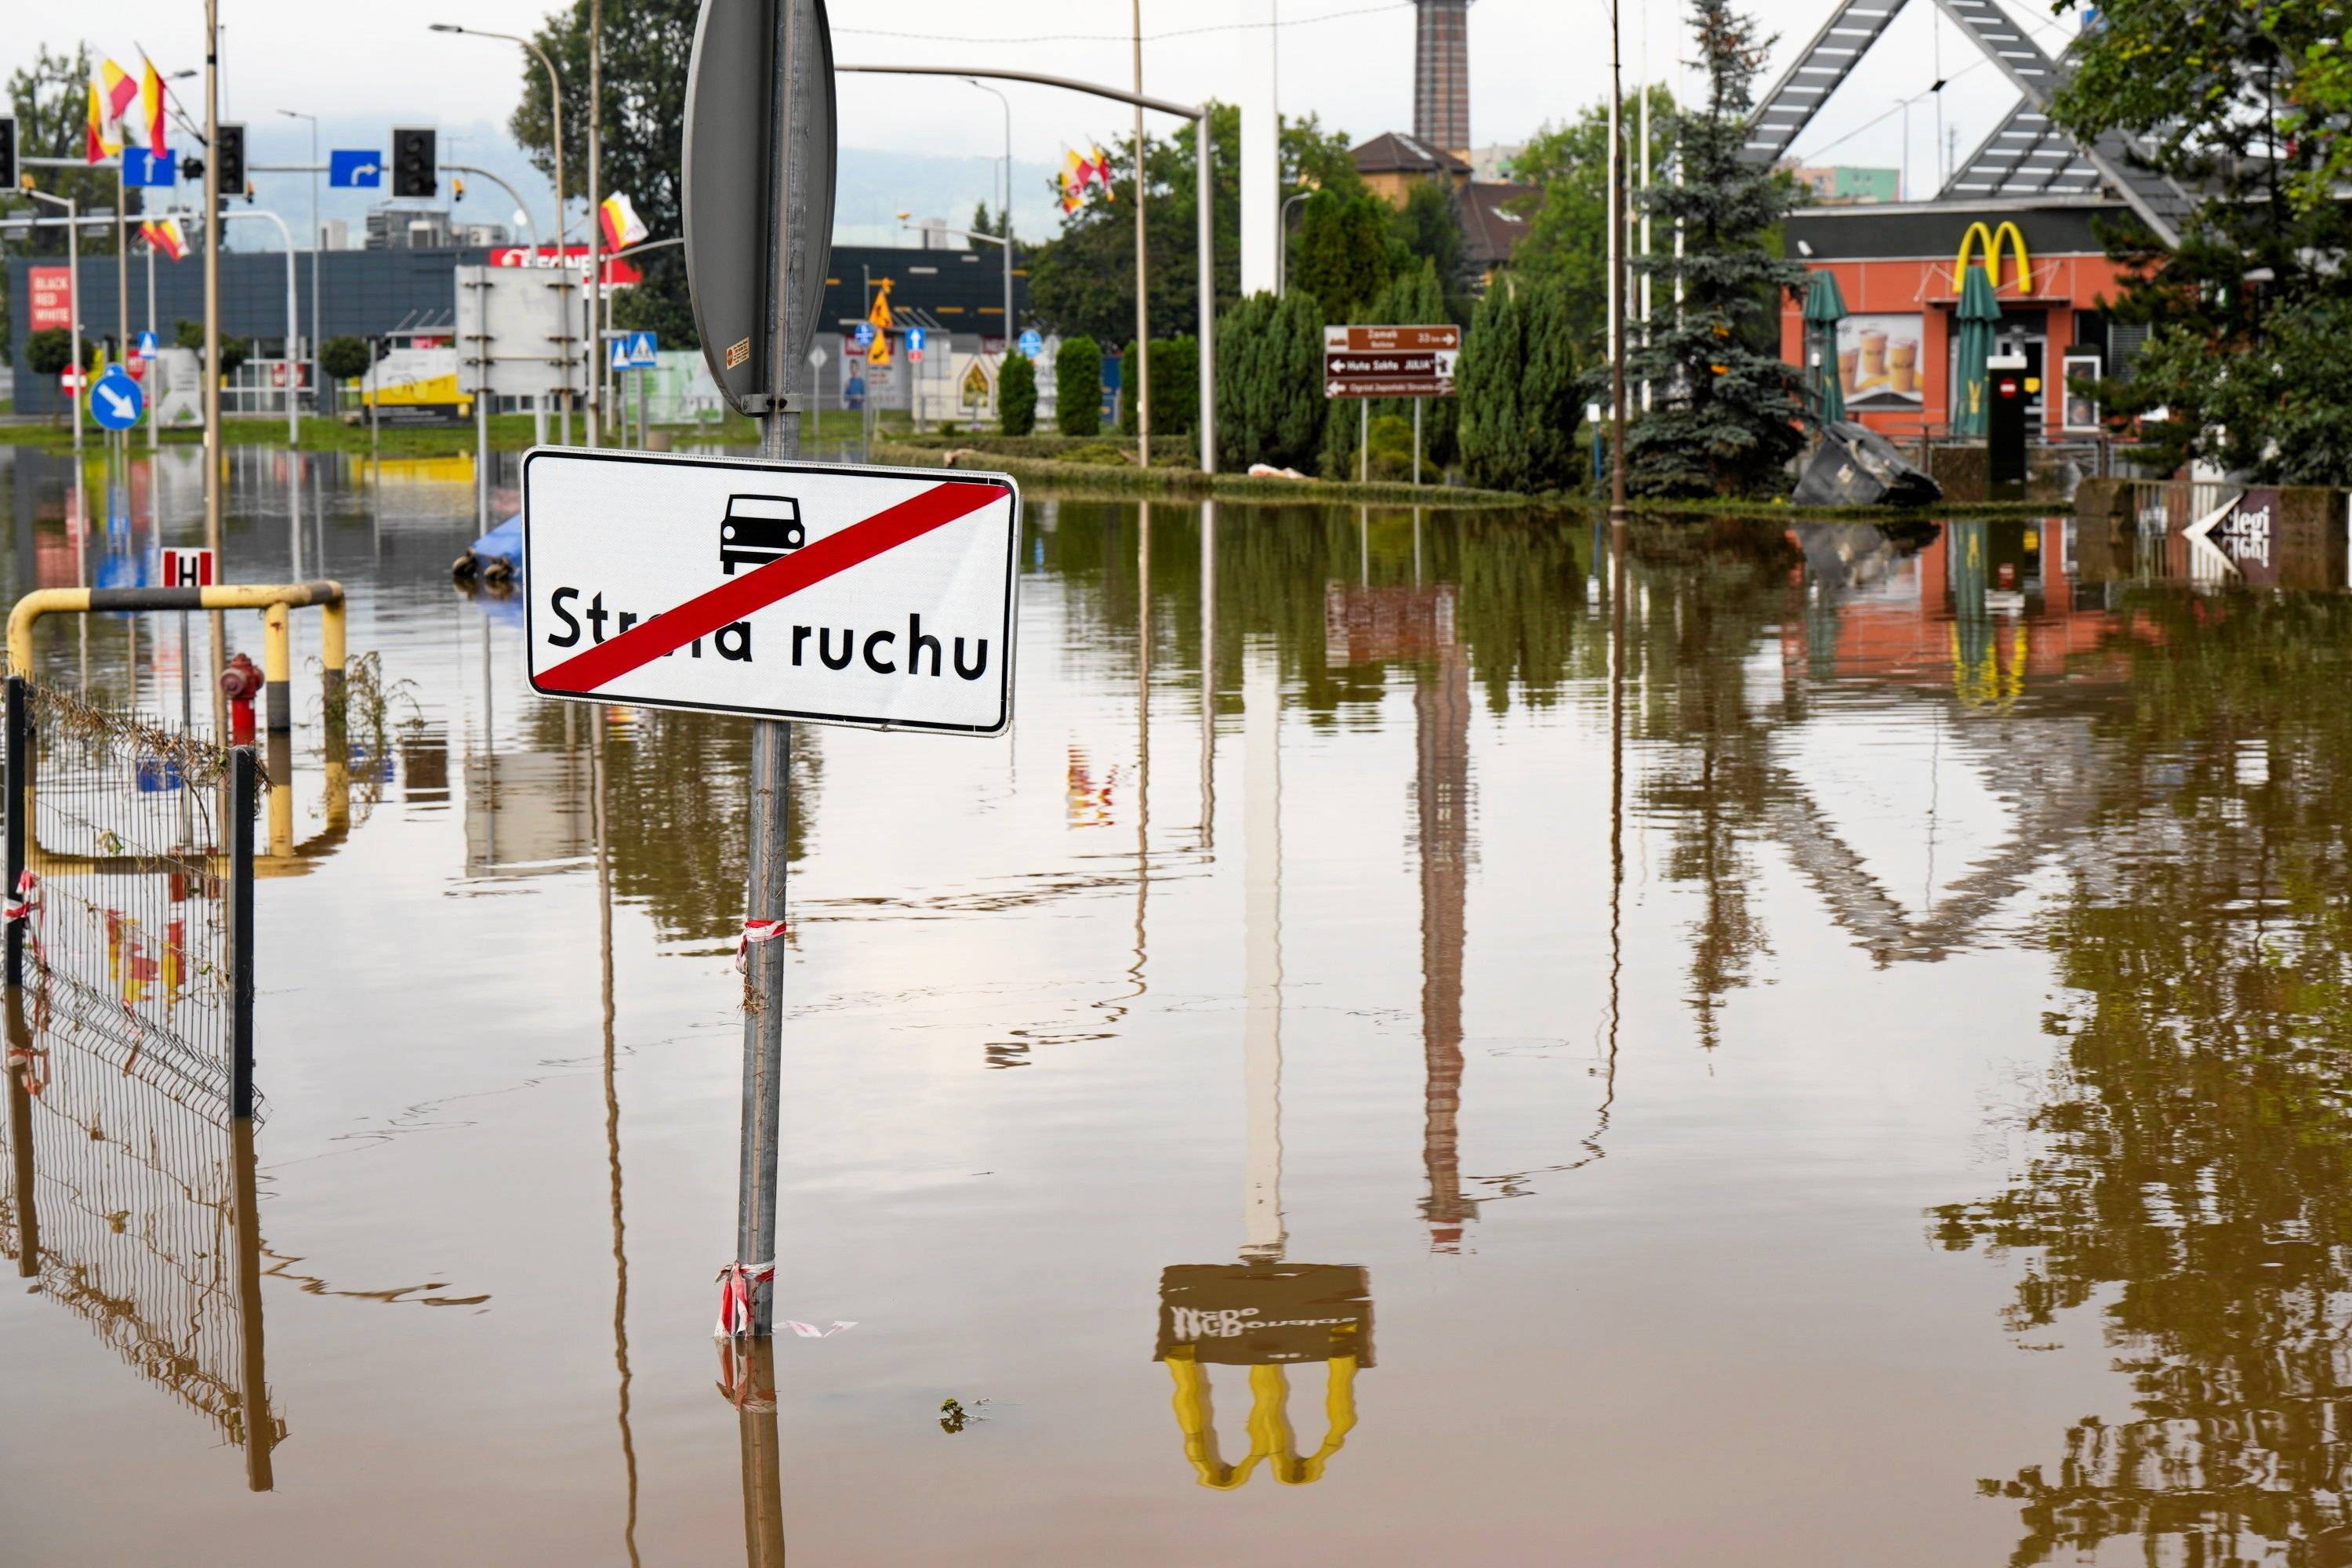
x: 317, y: 366
x: 1282, y: 236
x: 1012, y: 329
x: 555, y: 127
x: 73, y: 270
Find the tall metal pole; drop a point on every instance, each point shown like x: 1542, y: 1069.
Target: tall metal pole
x: 212, y: 316
x: 780, y: 436
x: 73, y: 299
x: 1012, y: 328
x: 154, y: 393
x: 1205, y: 185
x: 293, y: 296
x: 121, y: 275
x: 1141, y: 368
x: 1617, y: 508
x: 597, y: 374
x: 562, y: 262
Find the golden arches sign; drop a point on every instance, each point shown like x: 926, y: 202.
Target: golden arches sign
x: 1993, y: 240
x: 1270, y: 1435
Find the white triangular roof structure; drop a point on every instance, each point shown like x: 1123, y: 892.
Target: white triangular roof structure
x: 2026, y: 157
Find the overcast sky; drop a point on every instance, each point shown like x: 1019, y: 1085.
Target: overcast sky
x: 1349, y: 61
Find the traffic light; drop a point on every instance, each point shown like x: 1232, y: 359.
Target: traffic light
x: 228, y: 150
x: 8, y: 153
x: 416, y: 163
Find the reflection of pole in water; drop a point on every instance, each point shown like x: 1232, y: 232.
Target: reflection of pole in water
x: 1208, y: 675
x: 1441, y: 707
x: 597, y: 808
x: 20, y: 1136
x: 1262, y: 971
x: 751, y: 1372
x: 1616, y: 807
x: 1142, y: 731
x: 253, y: 1383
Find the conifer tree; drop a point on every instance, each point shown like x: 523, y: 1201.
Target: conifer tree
x: 1517, y: 390
x: 1726, y: 412
x: 1017, y: 394
x: 1077, y: 387
x: 1270, y: 404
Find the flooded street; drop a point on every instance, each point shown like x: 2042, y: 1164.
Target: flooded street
x: 1815, y: 1048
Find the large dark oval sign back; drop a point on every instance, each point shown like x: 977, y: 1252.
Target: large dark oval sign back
x: 729, y: 190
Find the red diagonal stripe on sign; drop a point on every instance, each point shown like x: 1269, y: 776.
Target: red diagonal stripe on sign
x: 723, y: 605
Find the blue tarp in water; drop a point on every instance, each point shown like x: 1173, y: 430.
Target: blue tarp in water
x: 503, y: 542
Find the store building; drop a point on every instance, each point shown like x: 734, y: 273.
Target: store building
x: 1898, y: 267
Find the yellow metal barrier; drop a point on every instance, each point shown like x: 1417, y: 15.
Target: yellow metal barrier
x: 273, y: 600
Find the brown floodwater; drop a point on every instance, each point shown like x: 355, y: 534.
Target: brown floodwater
x: 1794, y: 1049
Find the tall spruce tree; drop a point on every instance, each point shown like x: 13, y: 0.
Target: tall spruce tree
x: 1726, y: 410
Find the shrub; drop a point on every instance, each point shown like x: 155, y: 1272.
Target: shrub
x: 1017, y: 394
x: 1077, y: 387
x: 1270, y: 404
x: 345, y: 359
x: 1519, y: 391
x: 49, y: 351
x: 1175, y: 388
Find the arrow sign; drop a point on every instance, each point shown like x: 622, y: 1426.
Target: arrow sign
x: 142, y: 167
x: 1032, y: 344
x: 349, y: 168
x: 115, y: 400
x: 875, y: 598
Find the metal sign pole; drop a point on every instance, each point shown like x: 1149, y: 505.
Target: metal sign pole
x: 780, y: 437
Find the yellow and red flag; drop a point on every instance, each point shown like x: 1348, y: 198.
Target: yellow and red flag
x: 164, y: 234
x: 150, y: 109
x: 620, y: 222
x: 112, y: 93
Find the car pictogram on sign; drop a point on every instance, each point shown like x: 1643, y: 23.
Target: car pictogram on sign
x: 758, y: 530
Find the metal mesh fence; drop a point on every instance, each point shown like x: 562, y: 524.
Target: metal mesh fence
x: 130, y: 1184
x: 127, y: 943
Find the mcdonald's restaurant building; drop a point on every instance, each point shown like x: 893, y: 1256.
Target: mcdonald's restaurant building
x: 1898, y: 266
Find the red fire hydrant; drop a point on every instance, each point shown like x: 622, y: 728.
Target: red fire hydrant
x: 241, y: 683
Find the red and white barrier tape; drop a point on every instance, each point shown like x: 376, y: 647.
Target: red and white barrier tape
x: 735, y: 1282
x: 28, y: 898
x: 754, y: 933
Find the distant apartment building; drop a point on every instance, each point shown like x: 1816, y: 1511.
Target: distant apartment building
x: 427, y: 228
x: 1843, y: 186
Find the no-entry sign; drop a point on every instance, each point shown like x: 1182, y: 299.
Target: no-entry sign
x: 1390, y: 362
x: 875, y: 598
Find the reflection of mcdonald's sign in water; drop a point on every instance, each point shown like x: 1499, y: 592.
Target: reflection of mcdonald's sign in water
x: 1993, y: 240
x: 1264, y: 1317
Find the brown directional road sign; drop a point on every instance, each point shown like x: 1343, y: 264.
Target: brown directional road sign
x: 1390, y: 362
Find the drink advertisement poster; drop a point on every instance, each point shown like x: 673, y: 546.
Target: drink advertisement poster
x: 1878, y: 360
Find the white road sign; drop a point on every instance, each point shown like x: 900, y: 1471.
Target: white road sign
x: 878, y: 597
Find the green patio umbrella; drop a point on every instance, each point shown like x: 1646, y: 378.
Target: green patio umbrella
x: 1824, y: 308
x: 1980, y: 317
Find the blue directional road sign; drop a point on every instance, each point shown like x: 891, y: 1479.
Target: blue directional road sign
x: 641, y: 352
x: 147, y: 347
x: 1032, y: 344
x: 141, y: 167
x: 115, y: 400
x: 347, y: 168
x: 863, y: 336
x: 915, y: 340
